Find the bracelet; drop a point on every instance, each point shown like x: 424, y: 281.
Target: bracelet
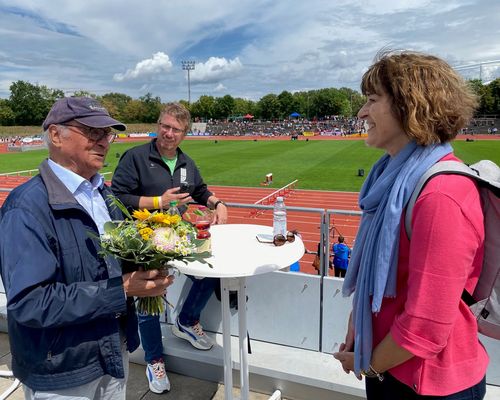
x: 371, y: 373
x: 160, y: 203
x: 217, y: 203
x: 156, y: 202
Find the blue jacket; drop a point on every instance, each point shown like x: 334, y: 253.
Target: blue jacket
x: 341, y: 254
x: 66, y: 305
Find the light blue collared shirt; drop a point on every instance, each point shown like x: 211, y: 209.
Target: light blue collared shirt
x: 85, y: 192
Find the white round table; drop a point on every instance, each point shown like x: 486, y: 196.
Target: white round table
x: 237, y: 254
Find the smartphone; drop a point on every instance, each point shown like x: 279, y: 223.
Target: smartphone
x: 184, y: 187
x: 262, y: 237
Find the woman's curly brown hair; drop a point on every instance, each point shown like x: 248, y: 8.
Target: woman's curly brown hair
x: 431, y: 101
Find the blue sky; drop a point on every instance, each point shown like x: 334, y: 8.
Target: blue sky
x: 243, y: 48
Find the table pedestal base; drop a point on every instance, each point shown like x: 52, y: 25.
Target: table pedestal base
x: 238, y: 284
x: 229, y: 243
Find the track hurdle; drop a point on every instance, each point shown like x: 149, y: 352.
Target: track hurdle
x: 268, y: 180
x: 271, y: 198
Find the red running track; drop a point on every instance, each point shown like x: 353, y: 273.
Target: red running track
x: 306, y: 223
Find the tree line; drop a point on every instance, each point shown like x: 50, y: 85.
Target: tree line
x: 28, y: 104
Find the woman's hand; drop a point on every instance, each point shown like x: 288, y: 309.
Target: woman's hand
x: 348, y: 345
x: 346, y: 358
x: 346, y: 350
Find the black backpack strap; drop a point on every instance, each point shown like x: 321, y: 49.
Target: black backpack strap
x: 467, y: 298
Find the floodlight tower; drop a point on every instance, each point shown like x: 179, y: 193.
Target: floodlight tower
x: 188, y: 66
x: 480, y: 65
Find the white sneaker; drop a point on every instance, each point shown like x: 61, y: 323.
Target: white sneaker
x: 193, y: 334
x: 157, y: 377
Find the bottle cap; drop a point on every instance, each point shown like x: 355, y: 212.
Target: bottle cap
x: 172, y: 203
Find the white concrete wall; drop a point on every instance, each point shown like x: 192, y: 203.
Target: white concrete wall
x: 336, y: 311
x: 284, y: 308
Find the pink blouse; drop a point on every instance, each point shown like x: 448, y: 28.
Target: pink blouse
x: 427, y: 316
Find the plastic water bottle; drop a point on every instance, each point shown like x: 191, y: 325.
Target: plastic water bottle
x: 279, y: 217
x: 172, y: 209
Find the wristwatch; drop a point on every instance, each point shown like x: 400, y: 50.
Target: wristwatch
x: 217, y: 203
x: 371, y: 373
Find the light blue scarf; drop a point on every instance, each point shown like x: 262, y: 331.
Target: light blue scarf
x: 373, y: 267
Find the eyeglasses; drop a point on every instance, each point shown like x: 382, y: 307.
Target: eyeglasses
x: 279, y: 239
x: 167, y: 128
x: 94, y: 134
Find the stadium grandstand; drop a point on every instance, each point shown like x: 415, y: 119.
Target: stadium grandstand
x: 330, y: 125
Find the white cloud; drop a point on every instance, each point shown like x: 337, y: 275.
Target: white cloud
x: 237, y: 44
x: 216, y: 69
x: 159, y: 64
x: 220, y: 88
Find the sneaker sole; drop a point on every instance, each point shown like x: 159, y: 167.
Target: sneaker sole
x: 185, y: 336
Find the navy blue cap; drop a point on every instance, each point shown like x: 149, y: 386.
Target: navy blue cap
x: 85, y: 110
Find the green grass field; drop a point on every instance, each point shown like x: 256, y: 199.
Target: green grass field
x: 317, y: 164
x: 19, y: 130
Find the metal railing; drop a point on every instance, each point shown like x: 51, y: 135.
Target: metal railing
x: 31, y: 172
x: 324, y: 225
x: 324, y: 248
x: 26, y: 172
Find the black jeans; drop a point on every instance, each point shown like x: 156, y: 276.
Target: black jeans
x: 340, y: 273
x: 392, y: 389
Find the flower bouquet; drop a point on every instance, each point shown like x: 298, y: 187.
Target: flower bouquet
x: 150, y: 240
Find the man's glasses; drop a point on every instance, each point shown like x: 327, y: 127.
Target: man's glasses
x: 94, y: 134
x: 167, y: 128
x: 279, y: 239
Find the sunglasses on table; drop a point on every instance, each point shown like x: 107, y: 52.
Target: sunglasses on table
x: 279, y: 239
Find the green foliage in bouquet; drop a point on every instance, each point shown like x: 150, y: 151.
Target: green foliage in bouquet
x: 150, y: 240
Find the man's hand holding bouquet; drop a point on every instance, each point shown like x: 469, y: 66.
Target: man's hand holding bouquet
x: 150, y: 240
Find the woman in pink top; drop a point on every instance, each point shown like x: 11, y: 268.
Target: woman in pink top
x: 410, y: 333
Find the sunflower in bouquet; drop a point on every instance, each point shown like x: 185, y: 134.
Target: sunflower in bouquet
x: 150, y: 240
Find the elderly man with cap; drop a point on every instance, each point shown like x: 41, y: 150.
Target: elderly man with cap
x: 71, y: 314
